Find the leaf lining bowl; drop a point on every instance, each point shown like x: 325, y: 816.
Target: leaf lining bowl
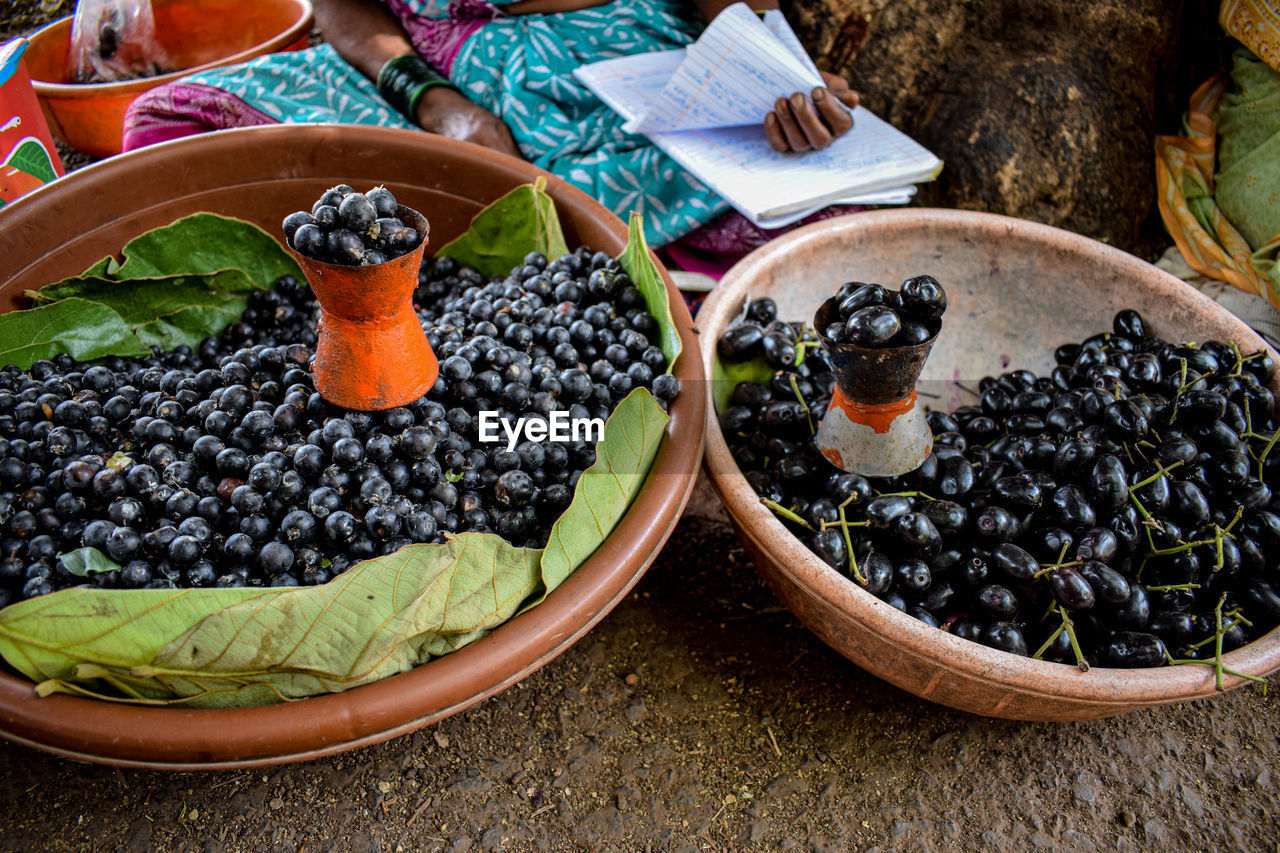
x: 1017, y: 290
x: 258, y: 174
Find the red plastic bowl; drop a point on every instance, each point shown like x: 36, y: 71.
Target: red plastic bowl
x: 198, y: 34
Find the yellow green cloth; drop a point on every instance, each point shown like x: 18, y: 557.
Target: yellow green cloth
x: 1248, y: 176
x: 1219, y: 183
x: 1255, y: 24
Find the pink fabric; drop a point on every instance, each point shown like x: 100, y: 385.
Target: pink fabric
x: 184, y: 109
x: 727, y: 239
x: 438, y: 40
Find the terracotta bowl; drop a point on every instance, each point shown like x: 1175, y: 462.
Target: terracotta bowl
x: 198, y: 35
x: 1017, y: 290
x: 261, y: 174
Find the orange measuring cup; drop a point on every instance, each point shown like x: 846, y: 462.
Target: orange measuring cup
x: 372, y: 353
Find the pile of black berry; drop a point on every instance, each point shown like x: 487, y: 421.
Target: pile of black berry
x: 351, y: 228
x: 223, y: 466
x: 1115, y: 512
x: 871, y: 315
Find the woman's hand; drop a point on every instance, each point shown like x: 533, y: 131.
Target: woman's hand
x: 799, y: 124
x: 449, y: 113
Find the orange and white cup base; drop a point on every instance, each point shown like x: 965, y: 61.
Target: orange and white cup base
x: 882, y: 440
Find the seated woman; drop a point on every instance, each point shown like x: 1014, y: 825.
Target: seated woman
x: 509, y: 71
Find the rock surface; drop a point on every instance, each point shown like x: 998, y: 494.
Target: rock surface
x: 1041, y: 109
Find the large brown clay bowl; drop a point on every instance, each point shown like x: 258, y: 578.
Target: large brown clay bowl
x: 197, y: 36
x: 261, y: 174
x: 1017, y: 290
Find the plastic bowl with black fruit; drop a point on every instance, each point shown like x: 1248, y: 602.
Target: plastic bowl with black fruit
x: 1092, y: 531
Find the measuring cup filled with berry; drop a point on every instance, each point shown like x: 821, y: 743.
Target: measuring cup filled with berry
x: 876, y: 341
x: 361, y: 253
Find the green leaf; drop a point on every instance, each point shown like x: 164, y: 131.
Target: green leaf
x: 85, y: 561
x: 98, y: 270
x: 205, y: 243
x: 177, y: 285
x: 631, y: 438
x: 85, y: 330
x: 32, y: 158
x: 638, y: 264
x: 204, y: 646
x: 192, y: 325
x: 725, y: 376
x: 522, y: 221
x: 167, y: 312
x: 48, y: 637
x: 139, y: 300
x: 301, y: 641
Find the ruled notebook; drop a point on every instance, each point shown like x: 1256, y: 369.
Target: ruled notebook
x: 704, y: 106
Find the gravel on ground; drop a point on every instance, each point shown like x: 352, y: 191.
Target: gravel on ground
x: 700, y: 715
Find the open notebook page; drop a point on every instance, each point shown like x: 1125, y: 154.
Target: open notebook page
x: 777, y: 24
x: 769, y: 188
x: 730, y: 76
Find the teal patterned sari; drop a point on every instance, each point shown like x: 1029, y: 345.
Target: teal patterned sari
x: 521, y: 69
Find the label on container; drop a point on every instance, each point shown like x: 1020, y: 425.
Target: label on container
x: 29, y: 159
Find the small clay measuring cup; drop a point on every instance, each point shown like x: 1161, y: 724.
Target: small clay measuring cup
x: 372, y: 353
x: 875, y: 426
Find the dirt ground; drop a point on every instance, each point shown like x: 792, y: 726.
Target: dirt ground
x: 700, y: 715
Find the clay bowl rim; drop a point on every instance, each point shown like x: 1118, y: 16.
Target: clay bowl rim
x: 1100, y: 686
x: 50, y: 89
x: 164, y: 738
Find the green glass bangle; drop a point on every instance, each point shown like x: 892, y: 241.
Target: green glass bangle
x: 403, y: 81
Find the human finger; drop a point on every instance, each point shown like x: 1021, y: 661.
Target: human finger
x: 796, y: 140
x: 814, y: 130
x: 834, y: 82
x: 773, y: 133
x: 839, y: 87
x: 834, y: 116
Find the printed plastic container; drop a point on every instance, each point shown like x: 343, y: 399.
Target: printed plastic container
x: 29, y: 159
